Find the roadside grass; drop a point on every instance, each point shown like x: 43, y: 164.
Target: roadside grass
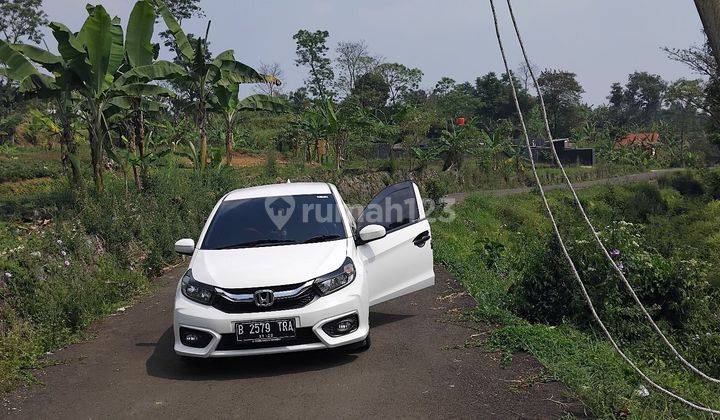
x: 491, y: 243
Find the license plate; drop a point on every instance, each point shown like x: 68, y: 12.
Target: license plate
x: 260, y: 331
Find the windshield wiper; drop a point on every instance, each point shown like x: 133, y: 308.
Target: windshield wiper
x: 258, y: 243
x: 322, y: 238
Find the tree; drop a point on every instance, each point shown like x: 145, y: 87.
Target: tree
x: 640, y: 101
x: 270, y: 87
x: 353, y: 61
x: 496, y: 100
x: 562, y: 94
x: 202, y: 74
x: 225, y: 101
x: 699, y: 58
x: 709, y: 11
x: 181, y: 10
x: 455, y: 142
x: 312, y: 52
x: 401, y: 79
x: 22, y: 19
x: 371, y: 91
x: 525, y: 73
x: 92, y: 65
x: 455, y: 100
x: 686, y: 100
x: 444, y: 86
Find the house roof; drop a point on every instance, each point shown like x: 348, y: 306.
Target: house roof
x: 280, y: 190
x: 639, y: 139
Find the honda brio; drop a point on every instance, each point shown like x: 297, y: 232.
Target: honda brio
x: 286, y: 267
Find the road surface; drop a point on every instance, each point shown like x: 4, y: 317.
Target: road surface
x: 419, y: 366
x: 623, y: 179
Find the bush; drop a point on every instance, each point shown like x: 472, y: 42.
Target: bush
x: 685, y: 182
x: 546, y: 290
x: 636, y: 203
x: 711, y: 180
x: 98, y: 252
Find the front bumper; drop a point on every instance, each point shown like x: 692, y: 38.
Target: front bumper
x: 311, y: 317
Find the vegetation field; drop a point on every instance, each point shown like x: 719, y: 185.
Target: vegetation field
x: 666, y: 238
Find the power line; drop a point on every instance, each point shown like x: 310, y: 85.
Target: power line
x: 555, y: 226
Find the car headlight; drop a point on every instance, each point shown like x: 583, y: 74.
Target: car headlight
x: 332, y: 282
x: 196, y: 291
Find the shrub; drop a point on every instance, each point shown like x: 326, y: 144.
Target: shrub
x: 546, y: 291
x: 711, y: 180
x: 685, y: 182
x: 636, y: 203
x: 436, y: 188
x: 98, y: 252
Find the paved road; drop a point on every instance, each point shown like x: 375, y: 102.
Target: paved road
x: 418, y: 367
x: 623, y: 179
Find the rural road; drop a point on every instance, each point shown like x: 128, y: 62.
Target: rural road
x: 417, y: 367
x: 623, y: 179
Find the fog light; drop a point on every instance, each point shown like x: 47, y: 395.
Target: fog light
x: 194, y: 338
x: 342, y: 326
x: 345, y: 326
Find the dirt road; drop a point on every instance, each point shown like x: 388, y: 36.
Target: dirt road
x: 623, y: 179
x: 419, y: 366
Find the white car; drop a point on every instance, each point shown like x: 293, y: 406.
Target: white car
x: 285, y: 268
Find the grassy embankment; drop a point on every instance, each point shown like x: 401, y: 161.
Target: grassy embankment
x: 668, y: 241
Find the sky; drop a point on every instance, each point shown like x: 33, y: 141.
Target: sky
x: 602, y: 41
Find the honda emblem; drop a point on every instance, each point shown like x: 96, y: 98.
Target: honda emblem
x: 264, y: 298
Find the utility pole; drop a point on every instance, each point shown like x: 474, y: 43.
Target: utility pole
x: 709, y: 11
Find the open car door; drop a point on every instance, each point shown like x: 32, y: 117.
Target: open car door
x: 401, y: 262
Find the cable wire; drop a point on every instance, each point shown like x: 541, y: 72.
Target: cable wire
x: 556, y: 231
x: 618, y: 270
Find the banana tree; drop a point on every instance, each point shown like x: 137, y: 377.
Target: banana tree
x: 225, y: 102
x: 97, y: 58
x: 18, y: 60
x: 203, y: 74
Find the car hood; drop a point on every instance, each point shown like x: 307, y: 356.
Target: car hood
x: 267, y: 266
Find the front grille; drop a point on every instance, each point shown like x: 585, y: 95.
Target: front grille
x: 295, y: 302
x: 304, y: 336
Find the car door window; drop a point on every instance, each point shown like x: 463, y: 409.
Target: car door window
x: 395, y: 207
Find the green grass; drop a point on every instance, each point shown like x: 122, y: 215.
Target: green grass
x: 488, y: 247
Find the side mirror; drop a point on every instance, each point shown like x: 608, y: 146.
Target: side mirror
x: 372, y: 232
x: 185, y: 246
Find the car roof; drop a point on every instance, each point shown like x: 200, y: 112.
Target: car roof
x: 280, y: 190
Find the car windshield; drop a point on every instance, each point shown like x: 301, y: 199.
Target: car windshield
x: 273, y: 221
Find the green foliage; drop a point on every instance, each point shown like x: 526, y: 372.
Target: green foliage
x: 312, y: 52
x: 98, y: 254
x: 503, y: 251
x: 271, y: 163
x: 684, y: 182
x: 22, y: 19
